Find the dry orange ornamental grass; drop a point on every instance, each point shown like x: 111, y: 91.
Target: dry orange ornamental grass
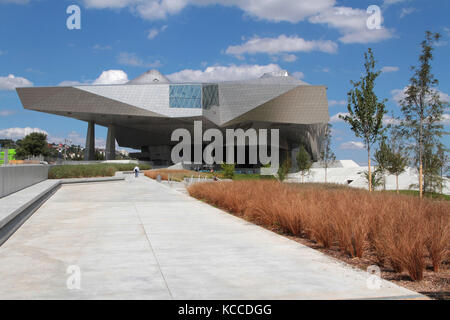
x: 399, y: 232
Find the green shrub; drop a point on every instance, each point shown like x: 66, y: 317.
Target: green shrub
x: 90, y: 170
x: 228, y: 170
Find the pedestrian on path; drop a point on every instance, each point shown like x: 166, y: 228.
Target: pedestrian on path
x: 136, y: 171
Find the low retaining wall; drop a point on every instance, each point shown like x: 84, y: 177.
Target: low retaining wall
x: 17, y: 177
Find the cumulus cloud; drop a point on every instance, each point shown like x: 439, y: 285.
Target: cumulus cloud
x: 112, y: 77
x: 352, y: 24
x: 11, y: 82
x: 298, y: 74
x: 399, y: 94
x: 131, y: 59
x: 387, y: 69
x: 390, y: 120
x: 152, y: 33
x: 272, y: 10
x: 336, y: 117
x: 223, y: 73
x: 289, y: 58
x: 106, y: 77
x: 446, y: 119
x: 282, y: 44
x: 18, y: 133
x: 352, y: 145
x: 349, y: 21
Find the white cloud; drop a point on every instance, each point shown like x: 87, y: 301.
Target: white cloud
x: 336, y: 117
x: 352, y: 145
x: 272, y: 10
x: 399, y: 94
x: 389, y: 2
x: 106, y: 77
x: 282, y: 44
x: 352, y: 24
x: 407, y: 11
x: 5, y: 113
x: 446, y: 119
x: 349, y: 21
x: 289, y: 57
x: 11, y: 82
x: 112, y: 77
x: 390, y: 120
x: 131, y: 59
x: 387, y: 69
x: 337, y: 103
x: 152, y: 33
x: 76, y: 138
x: 223, y: 73
x: 298, y: 74
x: 19, y: 133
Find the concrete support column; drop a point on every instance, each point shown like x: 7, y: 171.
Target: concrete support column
x: 111, y: 143
x: 89, y: 151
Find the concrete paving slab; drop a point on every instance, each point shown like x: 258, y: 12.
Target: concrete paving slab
x: 138, y: 239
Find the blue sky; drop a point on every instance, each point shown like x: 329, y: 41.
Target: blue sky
x: 321, y: 42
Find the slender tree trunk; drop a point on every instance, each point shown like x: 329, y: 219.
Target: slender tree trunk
x: 325, y: 174
x: 370, y: 171
x: 396, y: 181
x: 420, y: 180
x: 420, y: 160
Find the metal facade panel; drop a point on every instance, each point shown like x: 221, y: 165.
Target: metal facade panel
x: 69, y: 99
x: 152, y: 97
x: 239, y: 97
x: 301, y: 105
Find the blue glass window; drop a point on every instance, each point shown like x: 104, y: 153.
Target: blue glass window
x: 186, y: 96
x: 210, y: 95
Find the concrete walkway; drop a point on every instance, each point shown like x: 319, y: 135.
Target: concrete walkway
x: 137, y: 239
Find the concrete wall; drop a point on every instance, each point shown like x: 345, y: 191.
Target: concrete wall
x: 16, y: 177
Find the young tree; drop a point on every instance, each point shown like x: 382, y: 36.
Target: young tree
x: 397, y: 161
x: 381, y: 156
x: 284, y: 169
x: 434, y: 163
x: 327, y: 156
x: 304, y: 162
x: 376, y: 178
x: 34, y: 144
x: 365, y: 111
x: 422, y: 108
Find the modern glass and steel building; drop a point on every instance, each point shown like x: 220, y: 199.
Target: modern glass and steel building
x: 143, y: 113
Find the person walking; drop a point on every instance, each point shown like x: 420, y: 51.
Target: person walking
x: 136, y: 171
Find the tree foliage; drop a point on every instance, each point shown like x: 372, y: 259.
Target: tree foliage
x: 422, y: 112
x: 284, y: 169
x: 327, y: 156
x: 304, y: 161
x: 365, y: 112
x: 34, y: 144
x: 228, y: 170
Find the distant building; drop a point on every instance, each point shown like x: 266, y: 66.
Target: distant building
x: 143, y: 113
